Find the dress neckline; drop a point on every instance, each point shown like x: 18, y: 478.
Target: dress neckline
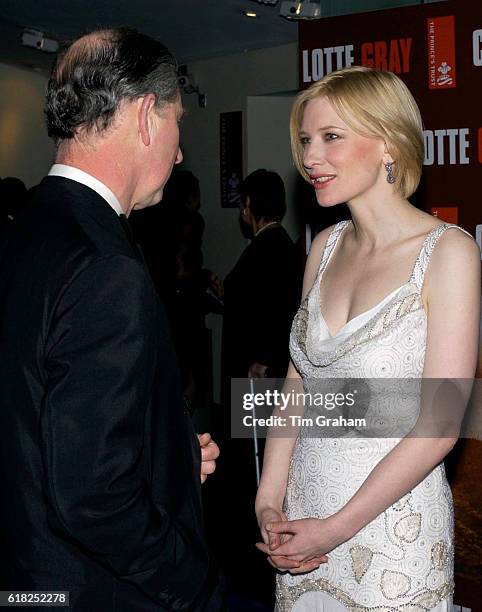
x: 336, y: 233
x: 351, y: 322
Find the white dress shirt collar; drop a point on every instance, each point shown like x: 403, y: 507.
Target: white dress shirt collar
x: 89, y: 181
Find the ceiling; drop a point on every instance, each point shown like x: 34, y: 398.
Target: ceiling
x: 192, y: 29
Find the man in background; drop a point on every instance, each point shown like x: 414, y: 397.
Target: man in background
x: 98, y: 460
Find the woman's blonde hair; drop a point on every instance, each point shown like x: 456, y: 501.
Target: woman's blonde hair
x: 376, y: 104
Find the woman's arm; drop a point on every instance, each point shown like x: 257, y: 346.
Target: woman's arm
x: 278, y: 450
x: 451, y: 296
x: 277, y: 456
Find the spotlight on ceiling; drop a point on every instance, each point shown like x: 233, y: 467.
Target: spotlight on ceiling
x: 250, y: 14
x: 270, y: 2
x: 301, y: 10
x: 37, y: 40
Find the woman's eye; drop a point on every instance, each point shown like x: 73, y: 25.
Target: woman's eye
x: 331, y: 136
x: 304, y: 140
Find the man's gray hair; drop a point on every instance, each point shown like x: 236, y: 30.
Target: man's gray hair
x: 96, y: 73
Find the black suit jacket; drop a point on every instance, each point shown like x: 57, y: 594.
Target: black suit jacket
x: 99, y: 464
x: 261, y: 295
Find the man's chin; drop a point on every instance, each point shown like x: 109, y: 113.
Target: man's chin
x: 153, y: 200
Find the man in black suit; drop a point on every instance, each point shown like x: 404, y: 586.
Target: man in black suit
x: 99, y: 465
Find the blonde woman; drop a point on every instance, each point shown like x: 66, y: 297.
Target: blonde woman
x: 368, y: 524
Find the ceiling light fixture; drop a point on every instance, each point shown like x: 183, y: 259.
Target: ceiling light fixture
x: 37, y: 40
x: 251, y: 14
x: 187, y: 85
x: 301, y: 10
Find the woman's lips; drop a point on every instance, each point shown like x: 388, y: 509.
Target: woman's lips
x: 320, y: 182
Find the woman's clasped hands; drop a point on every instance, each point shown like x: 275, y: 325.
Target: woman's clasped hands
x: 298, y: 546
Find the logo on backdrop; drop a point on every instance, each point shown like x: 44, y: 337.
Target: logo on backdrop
x: 477, y: 47
x: 441, y: 52
x: 320, y: 62
x: 447, y: 146
x: 393, y: 55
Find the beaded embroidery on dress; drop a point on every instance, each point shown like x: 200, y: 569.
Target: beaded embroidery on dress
x: 402, y: 560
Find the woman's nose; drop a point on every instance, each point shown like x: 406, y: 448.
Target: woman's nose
x: 311, y: 155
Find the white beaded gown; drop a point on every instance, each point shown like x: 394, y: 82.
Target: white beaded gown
x: 403, y: 560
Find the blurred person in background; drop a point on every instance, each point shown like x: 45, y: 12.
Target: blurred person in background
x: 170, y: 235
x: 261, y: 293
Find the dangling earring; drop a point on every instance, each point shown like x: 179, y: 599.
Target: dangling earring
x: 390, y: 176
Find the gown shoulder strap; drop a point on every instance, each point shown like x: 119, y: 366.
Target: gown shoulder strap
x: 421, y: 263
x: 331, y: 244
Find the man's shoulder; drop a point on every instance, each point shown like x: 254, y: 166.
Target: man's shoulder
x: 71, y: 216
x: 58, y: 236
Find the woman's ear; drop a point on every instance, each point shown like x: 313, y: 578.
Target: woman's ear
x: 145, y: 116
x: 387, y: 158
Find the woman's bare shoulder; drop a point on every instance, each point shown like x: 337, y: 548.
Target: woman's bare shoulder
x: 455, y: 242
x: 455, y: 261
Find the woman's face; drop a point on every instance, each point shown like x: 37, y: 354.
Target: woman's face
x: 343, y: 166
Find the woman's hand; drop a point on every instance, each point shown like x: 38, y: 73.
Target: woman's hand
x: 274, y: 541
x: 268, y: 516
x: 305, y: 540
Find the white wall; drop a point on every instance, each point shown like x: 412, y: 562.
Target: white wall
x: 268, y: 146
x: 25, y: 149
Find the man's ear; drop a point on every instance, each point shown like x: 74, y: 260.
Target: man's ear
x: 144, y: 117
